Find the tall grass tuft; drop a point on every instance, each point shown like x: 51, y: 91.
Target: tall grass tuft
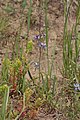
x: 70, y: 53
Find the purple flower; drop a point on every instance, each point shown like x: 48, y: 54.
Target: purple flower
x: 42, y: 45
x: 37, y: 37
x: 36, y: 64
x: 77, y: 87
